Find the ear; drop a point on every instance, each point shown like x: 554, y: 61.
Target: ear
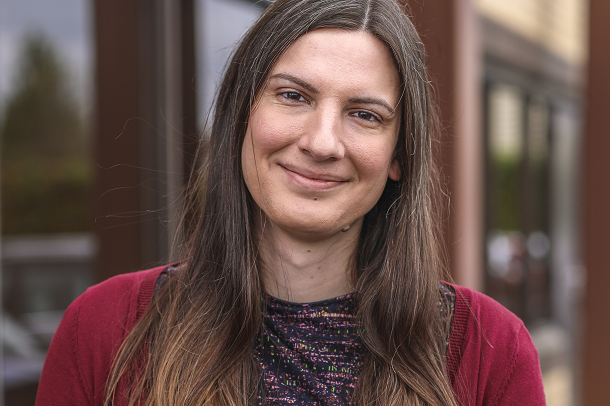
x: 395, y: 173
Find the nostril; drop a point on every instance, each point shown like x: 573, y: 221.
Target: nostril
x: 323, y: 135
x: 322, y: 146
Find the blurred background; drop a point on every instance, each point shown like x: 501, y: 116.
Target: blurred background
x: 102, y: 101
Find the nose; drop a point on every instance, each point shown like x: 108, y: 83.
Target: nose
x: 323, y: 138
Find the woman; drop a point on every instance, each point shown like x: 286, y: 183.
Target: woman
x: 312, y: 275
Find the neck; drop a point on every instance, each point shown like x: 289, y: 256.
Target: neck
x: 300, y: 270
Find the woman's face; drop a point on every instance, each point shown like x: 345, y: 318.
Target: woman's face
x: 319, y: 145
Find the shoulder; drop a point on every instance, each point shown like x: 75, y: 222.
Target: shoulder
x: 105, y: 313
x: 480, y: 314
x: 89, y: 335
x: 126, y: 292
x: 491, y: 354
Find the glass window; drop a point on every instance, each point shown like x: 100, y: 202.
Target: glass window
x: 47, y: 249
x: 220, y: 25
x: 518, y: 205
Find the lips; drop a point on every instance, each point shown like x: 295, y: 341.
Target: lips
x: 311, y: 180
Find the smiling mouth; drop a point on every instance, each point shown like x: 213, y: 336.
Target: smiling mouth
x: 312, y: 181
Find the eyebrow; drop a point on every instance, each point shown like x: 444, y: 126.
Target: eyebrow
x: 307, y: 86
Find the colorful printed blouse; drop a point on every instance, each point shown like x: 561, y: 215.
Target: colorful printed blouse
x: 311, y: 353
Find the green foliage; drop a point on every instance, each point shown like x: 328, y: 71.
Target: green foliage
x: 46, y: 178
x: 506, y: 194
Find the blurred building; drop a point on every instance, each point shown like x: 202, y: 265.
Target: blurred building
x: 511, y: 79
x: 535, y: 55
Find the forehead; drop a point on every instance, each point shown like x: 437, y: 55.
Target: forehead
x: 335, y: 59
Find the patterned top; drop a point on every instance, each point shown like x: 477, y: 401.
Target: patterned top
x: 311, y: 353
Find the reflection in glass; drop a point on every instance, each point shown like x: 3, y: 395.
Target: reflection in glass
x: 220, y: 26
x: 46, y: 172
x: 518, y: 207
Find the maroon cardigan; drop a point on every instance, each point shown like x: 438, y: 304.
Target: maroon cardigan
x: 491, y: 359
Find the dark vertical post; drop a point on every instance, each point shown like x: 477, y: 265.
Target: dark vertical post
x: 596, y: 211
x: 145, y: 114
x: 449, y: 30
x: 117, y: 148
x: 190, y: 127
x: 435, y: 22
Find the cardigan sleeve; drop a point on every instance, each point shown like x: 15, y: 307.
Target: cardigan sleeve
x: 492, y: 360
x: 523, y: 384
x: 61, y: 382
x: 93, y: 327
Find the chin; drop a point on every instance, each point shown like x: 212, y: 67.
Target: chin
x: 306, y: 225
x: 310, y: 227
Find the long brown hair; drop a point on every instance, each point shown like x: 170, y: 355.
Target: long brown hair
x: 194, y: 344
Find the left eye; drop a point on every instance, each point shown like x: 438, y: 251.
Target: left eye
x: 293, y: 96
x: 365, y: 115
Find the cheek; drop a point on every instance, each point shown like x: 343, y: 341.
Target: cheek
x: 272, y: 133
x: 372, y: 161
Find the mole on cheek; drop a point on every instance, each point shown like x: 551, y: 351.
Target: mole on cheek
x: 315, y: 198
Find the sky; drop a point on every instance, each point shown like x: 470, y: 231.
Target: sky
x: 68, y: 24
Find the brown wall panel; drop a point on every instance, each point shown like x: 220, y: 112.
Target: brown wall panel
x: 116, y: 137
x: 145, y: 121
x: 189, y: 85
x: 449, y: 31
x: 596, y: 212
